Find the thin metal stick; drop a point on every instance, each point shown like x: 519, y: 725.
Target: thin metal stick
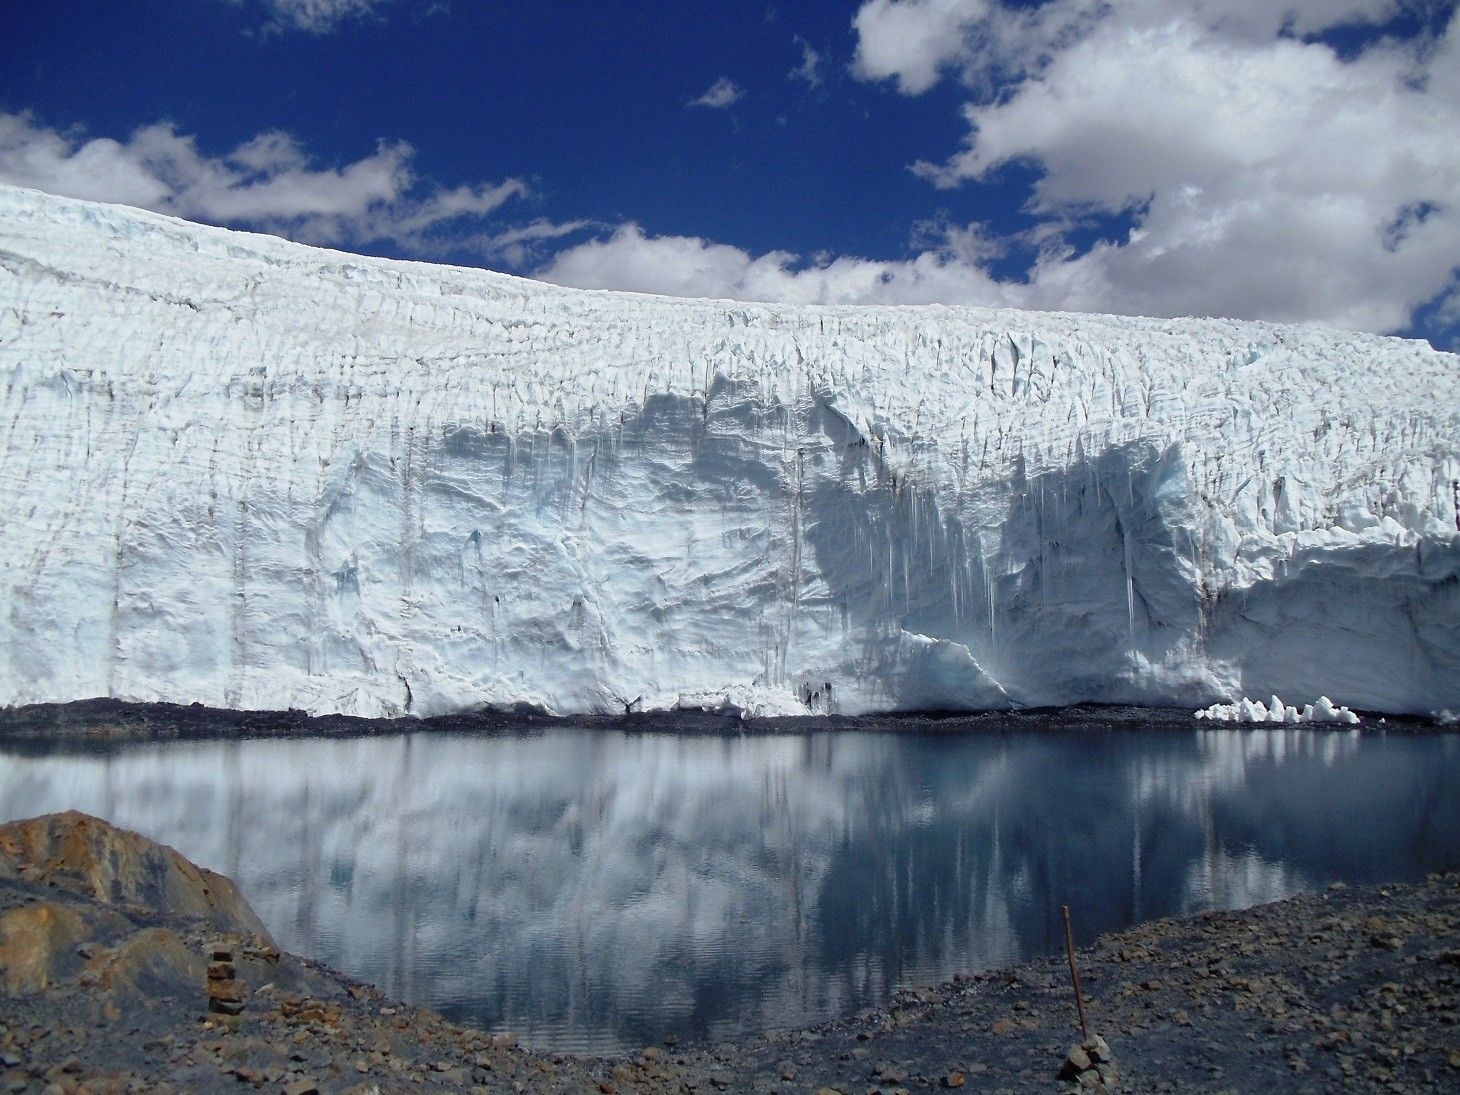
x: 1074, y: 973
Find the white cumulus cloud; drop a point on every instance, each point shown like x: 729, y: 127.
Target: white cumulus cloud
x: 914, y: 42
x: 269, y: 183
x: 1267, y: 176
x: 687, y: 266
x: 911, y: 41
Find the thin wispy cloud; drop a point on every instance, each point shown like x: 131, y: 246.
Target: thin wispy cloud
x: 308, y: 16
x: 520, y: 245
x: 809, y: 69
x: 321, y: 16
x: 721, y: 94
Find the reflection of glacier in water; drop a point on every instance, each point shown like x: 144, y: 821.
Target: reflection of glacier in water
x: 599, y: 890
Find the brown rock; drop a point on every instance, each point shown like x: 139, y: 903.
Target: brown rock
x: 38, y: 946
x: 226, y: 990
x: 85, y: 855
x: 152, y: 962
x: 954, y: 1079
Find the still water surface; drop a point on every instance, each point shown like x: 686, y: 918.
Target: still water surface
x: 595, y: 891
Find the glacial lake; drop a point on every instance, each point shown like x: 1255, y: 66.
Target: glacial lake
x: 596, y: 891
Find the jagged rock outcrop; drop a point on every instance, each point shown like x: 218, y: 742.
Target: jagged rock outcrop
x: 87, y: 907
x: 84, y: 855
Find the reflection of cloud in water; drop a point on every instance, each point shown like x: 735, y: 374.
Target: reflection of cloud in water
x: 602, y: 889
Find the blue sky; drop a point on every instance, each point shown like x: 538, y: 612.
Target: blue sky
x: 1256, y: 158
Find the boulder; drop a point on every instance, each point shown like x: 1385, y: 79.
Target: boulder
x: 154, y: 962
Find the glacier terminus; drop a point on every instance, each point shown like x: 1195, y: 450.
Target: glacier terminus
x: 249, y: 473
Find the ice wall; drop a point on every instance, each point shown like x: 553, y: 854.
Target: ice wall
x: 249, y: 473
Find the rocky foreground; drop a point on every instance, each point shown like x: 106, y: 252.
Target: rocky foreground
x: 123, y: 967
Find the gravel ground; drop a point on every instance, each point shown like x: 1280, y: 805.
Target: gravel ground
x: 1347, y: 990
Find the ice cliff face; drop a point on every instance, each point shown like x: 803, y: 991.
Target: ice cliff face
x: 248, y: 473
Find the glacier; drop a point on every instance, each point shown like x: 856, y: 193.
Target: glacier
x: 249, y: 473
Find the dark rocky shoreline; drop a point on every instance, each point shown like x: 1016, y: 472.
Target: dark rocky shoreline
x: 45, y: 726
x: 1348, y: 990
x: 103, y: 987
